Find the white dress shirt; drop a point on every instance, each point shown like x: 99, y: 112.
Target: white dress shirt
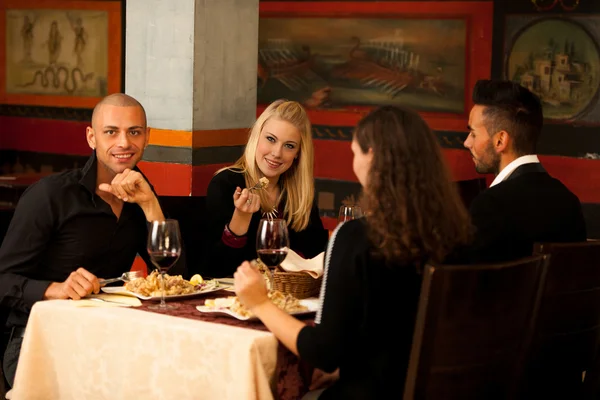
x: 514, y: 164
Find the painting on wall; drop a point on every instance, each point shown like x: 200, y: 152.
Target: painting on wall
x: 59, y: 53
x: 353, y: 56
x: 559, y: 60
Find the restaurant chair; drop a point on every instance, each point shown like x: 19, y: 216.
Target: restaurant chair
x: 566, y: 336
x: 473, y: 326
x: 5, y: 334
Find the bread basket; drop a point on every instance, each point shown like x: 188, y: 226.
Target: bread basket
x: 299, y: 284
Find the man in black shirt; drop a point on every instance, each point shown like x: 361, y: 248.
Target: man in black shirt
x: 524, y: 204
x: 73, y: 227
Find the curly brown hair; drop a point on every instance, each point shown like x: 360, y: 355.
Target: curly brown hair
x: 414, y: 211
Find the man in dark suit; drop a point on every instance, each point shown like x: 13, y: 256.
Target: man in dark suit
x: 524, y: 204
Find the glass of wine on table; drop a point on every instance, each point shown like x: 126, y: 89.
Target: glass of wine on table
x: 272, y: 244
x: 164, y: 248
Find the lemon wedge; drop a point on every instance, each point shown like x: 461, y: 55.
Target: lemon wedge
x: 196, y: 279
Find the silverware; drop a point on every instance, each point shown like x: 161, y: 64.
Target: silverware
x: 259, y: 186
x: 108, y: 301
x: 126, y: 277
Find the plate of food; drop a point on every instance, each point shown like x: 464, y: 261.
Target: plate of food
x: 176, y: 288
x: 232, y: 307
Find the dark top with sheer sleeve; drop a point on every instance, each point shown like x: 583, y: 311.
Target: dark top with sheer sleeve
x: 59, y: 225
x: 224, y: 252
x: 365, y: 322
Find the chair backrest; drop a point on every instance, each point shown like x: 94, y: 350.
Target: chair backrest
x: 190, y: 211
x: 473, y: 325
x: 567, y: 332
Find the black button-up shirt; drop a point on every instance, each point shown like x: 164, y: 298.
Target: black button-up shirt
x: 60, y: 224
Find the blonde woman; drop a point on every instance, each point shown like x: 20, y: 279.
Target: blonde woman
x: 279, y: 149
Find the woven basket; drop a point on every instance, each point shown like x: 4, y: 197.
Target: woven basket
x: 299, y: 284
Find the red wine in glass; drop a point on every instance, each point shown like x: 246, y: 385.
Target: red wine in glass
x: 164, y: 260
x: 272, y: 258
x: 272, y: 243
x: 164, y: 248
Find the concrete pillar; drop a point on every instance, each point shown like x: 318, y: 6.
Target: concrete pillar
x: 193, y: 65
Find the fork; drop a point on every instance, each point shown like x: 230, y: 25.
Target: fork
x: 258, y: 186
x: 107, y: 301
x: 126, y: 277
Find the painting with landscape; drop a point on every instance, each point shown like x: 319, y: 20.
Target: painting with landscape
x: 364, y: 61
x: 559, y: 60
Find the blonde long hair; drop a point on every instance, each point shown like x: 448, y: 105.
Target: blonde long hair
x: 297, y: 183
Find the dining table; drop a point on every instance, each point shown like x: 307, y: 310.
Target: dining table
x: 75, y: 352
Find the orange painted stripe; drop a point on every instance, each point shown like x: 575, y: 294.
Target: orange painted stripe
x: 166, y: 137
x: 179, y: 179
x: 195, y: 139
x: 220, y: 137
x: 168, y: 179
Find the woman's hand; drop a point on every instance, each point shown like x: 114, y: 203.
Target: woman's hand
x: 250, y: 286
x: 245, y: 201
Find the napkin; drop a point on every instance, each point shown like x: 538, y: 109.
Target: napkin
x: 312, y: 266
x: 110, y: 300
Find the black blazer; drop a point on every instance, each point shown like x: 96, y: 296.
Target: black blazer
x: 529, y: 206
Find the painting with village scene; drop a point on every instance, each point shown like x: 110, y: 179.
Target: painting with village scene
x: 558, y: 59
x: 58, y: 52
x: 343, y: 62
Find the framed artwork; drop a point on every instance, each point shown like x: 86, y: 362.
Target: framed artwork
x: 341, y: 59
x: 59, y: 52
x: 557, y: 58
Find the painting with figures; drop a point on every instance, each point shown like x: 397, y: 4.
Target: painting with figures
x: 363, y: 61
x: 62, y: 53
x: 57, y: 52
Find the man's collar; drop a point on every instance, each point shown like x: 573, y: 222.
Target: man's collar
x: 514, y: 164
x: 89, y: 173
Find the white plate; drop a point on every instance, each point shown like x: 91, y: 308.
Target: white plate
x: 121, y: 290
x: 311, y: 304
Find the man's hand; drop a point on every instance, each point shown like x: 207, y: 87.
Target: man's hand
x: 129, y: 186
x: 79, y: 284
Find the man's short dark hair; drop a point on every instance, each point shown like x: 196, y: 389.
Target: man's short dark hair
x: 512, y: 108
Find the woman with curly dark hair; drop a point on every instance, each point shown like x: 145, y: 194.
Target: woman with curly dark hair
x: 372, y: 275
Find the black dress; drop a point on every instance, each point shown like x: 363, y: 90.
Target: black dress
x: 221, y: 259
x: 362, y: 300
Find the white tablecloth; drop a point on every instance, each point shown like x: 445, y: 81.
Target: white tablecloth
x: 122, y: 353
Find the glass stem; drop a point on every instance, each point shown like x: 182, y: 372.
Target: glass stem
x: 272, y: 279
x: 162, y: 290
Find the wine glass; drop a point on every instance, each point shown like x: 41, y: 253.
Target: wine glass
x: 164, y: 248
x: 349, y: 212
x: 272, y: 244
